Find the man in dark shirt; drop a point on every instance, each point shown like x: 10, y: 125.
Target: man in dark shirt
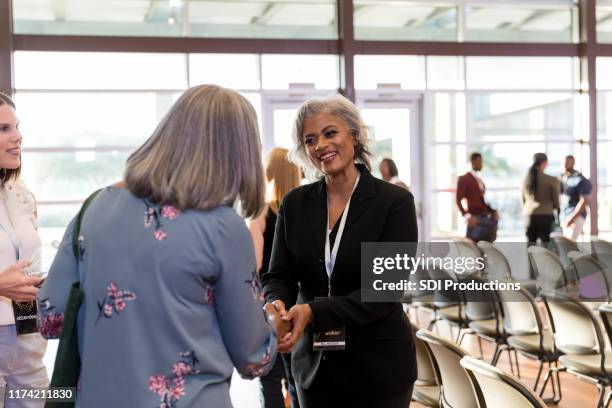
x: 576, y: 190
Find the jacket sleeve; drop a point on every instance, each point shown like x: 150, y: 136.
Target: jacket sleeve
x: 328, y: 313
x: 280, y: 281
x: 556, y: 191
x: 53, y: 295
x: 460, y: 195
x: 249, y: 339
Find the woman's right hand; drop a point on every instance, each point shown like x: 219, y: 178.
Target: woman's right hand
x: 14, y: 284
x: 275, y: 312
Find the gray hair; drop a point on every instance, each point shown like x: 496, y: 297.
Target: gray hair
x: 340, y: 107
x: 204, y: 153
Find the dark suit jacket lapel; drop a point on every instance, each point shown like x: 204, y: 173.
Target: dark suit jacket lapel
x: 317, y: 214
x: 359, y: 199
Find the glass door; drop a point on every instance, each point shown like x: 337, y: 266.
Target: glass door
x: 394, y: 133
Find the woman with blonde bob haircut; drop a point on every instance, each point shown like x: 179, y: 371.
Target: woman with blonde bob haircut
x: 282, y: 176
x: 345, y: 352
x: 172, y: 303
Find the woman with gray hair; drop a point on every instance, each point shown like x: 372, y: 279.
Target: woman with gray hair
x: 171, y: 297
x: 345, y: 352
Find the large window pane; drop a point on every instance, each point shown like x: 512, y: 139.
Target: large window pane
x: 406, y: 71
x: 445, y: 73
x: 444, y: 214
x: 404, y: 20
x: 312, y: 19
x: 604, y: 173
x: 279, y: 71
x: 230, y: 70
x: 519, y: 23
x: 498, y: 117
x: 604, y: 207
x: 90, y: 120
x: 508, y: 203
x: 71, y: 176
x: 99, y: 17
x: 520, y: 73
x: 91, y: 70
x: 604, y: 21
x: 604, y: 72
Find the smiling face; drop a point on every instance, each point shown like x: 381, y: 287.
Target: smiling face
x: 329, y: 143
x: 10, y: 138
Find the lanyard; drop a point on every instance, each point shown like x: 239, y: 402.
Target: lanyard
x: 10, y: 230
x: 330, y: 256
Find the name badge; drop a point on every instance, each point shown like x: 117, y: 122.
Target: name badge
x: 334, y: 339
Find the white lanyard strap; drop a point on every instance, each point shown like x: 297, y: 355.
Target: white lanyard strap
x: 330, y: 256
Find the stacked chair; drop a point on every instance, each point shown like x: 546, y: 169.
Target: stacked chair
x: 578, y: 337
x: 456, y: 391
x: 496, y: 389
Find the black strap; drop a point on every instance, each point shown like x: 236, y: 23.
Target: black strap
x: 77, y: 226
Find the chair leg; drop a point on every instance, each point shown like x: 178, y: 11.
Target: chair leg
x: 602, y: 390
x: 608, y: 398
x: 495, y: 355
x: 553, y: 376
x: 518, y: 370
x: 509, y: 351
x: 461, y: 335
x: 537, y: 380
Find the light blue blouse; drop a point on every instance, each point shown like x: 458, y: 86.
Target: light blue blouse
x: 172, y: 303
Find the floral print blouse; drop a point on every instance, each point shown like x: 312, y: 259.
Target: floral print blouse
x: 170, y: 306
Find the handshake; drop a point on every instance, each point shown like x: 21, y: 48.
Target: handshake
x: 288, y: 325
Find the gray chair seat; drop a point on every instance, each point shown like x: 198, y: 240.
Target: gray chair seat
x: 451, y: 313
x: 486, y: 327
x: 428, y: 395
x: 530, y: 343
x: 588, y: 364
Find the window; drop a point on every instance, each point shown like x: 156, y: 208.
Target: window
x: 406, y: 71
x: 304, y: 19
x: 405, y: 20
x: 162, y: 18
x: 82, y: 120
x: 523, y: 22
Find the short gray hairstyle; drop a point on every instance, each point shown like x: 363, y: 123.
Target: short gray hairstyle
x: 204, y: 153
x: 340, y: 107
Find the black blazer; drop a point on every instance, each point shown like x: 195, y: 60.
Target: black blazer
x: 379, y: 359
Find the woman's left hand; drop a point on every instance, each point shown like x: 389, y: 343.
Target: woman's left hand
x: 299, y: 316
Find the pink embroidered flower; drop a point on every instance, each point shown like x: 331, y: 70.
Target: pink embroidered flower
x: 169, y: 212
x: 50, y: 326
x: 113, y: 290
x: 107, y: 310
x: 159, y: 234
x: 178, y: 392
x: 158, y: 383
x: 180, y: 369
x: 119, y: 305
x: 115, y: 301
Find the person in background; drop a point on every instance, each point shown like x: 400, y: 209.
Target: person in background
x: 577, y: 195
x: 21, y: 346
x: 282, y: 176
x: 480, y: 217
x: 540, y: 197
x: 345, y: 352
x: 389, y: 173
x: 172, y: 300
